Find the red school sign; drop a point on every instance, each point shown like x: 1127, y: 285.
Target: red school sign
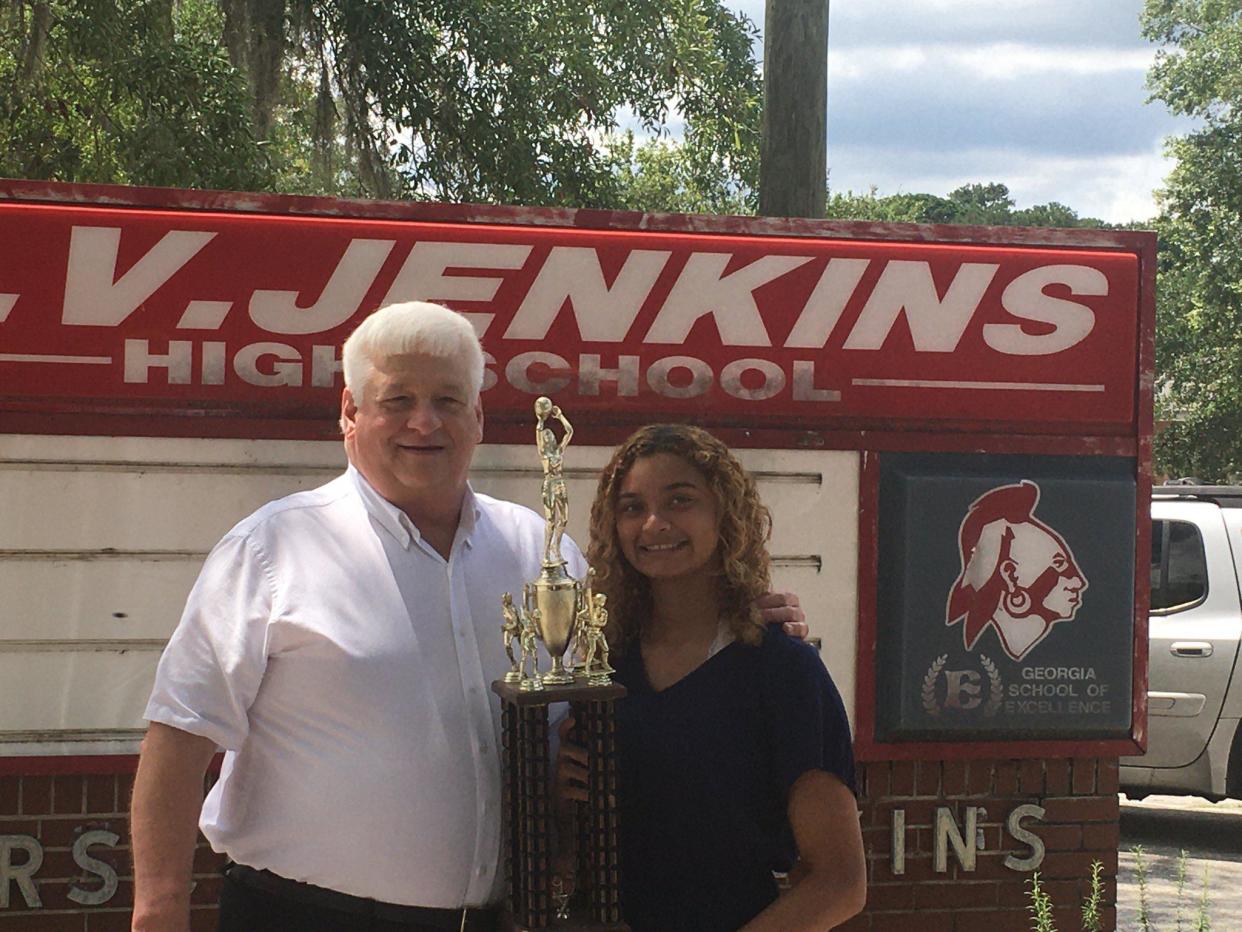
x: 222, y: 315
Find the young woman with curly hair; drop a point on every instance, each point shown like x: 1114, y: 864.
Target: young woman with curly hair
x: 734, y: 747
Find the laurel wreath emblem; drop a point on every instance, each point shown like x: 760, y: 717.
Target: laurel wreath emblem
x: 996, y: 686
x: 996, y: 690
x: 929, y: 685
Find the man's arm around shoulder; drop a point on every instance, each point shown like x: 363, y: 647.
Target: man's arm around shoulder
x: 168, y: 796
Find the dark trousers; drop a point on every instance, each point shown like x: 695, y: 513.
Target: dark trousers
x: 245, y: 909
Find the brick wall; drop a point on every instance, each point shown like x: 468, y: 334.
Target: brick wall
x: 57, y: 811
x: 1080, y: 824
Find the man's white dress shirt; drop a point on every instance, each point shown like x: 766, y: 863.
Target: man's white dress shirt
x: 345, y: 668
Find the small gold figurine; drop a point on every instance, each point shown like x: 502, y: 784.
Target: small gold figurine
x: 555, y: 498
x: 511, y: 630
x: 530, y: 650
x: 595, y: 665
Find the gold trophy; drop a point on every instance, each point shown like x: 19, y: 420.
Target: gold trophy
x: 556, y: 608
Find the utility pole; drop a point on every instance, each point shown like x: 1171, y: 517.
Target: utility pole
x: 793, y: 156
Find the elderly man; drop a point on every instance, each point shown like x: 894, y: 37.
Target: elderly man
x: 338, y: 645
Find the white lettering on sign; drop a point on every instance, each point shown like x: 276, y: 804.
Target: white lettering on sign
x: 101, y: 869
x: 824, y: 307
x: 490, y: 378
x: 660, y: 372
x: 518, y: 373
x: 272, y: 365
x: 264, y: 364
x: 702, y: 288
x: 6, y: 304
x: 804, y: 384
x: 772, y: 379
x: 573, y: 274
x: 1024, y: 297
x: 204, y: 315
x: 286, y: 365
x: 423, y: 276
x: 22, y: 873
x: 213, y: 363
x: 591, y: 374
x: 573, y: 277
x: 1058, y: 673
x: 95, y: 297
x: 936, y: 324
x: 1058, y: 691
x: 325, y: 364
x: 139, y: 361
x: 278, y: 311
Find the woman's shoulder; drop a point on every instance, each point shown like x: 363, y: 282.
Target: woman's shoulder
x: 781, y: 661
x: 779, y: 647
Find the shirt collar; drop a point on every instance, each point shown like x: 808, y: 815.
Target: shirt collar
x: 397, y: 523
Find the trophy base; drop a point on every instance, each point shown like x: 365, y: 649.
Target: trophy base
x: 531, y: 685
x: 534, y: 900
x: 572, y: 924
x: 513, y: 677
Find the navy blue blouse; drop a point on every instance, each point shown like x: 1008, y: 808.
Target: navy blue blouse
x: 705, y: 771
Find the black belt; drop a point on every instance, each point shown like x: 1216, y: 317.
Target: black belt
x: 467, y: 919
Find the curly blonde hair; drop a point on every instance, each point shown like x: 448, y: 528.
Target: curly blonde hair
x: 745, y: 526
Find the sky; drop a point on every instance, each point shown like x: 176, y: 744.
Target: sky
x: 1044, y: 96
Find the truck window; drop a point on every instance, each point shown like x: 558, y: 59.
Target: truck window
x: 1178, y: 566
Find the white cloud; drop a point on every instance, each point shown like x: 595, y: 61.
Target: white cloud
x: 1046, y: 96
x: 1117, y: 188
x: 996, y: 60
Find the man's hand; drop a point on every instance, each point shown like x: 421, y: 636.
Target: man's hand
x: 784, y: 609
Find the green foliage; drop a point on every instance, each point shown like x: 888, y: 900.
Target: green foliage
x: 1040, y: 907
x: 661, y: 175
x: 974, y: 204
x: 511, y: 101
x: 135, y: 93
x: 1182, y: 857
x: 1202, y: 921
x: 1198, y: 72
x: 1092, y: 921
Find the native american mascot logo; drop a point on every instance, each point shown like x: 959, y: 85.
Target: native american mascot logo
x: 1018, y: 575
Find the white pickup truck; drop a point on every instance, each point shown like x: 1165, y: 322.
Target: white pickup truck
x: 1194, y: 745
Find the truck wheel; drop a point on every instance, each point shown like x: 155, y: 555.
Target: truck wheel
x: 1233, y: 775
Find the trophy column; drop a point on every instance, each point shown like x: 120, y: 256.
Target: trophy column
x: 529, y: 811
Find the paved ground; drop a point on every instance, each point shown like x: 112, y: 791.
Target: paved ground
x: 1210, y: 833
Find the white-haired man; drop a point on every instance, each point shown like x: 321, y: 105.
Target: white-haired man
x: 339, y: 645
